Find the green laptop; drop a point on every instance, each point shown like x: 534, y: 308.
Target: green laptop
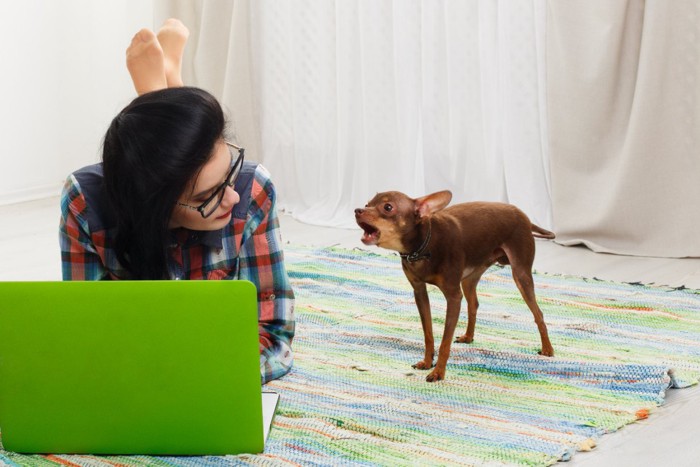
x: 131, y: 367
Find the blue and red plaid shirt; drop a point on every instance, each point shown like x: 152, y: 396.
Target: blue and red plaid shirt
x: 249, y: 248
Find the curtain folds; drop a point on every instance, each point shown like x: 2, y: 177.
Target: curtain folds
x: 584, y: 114
x: 623, y: 88
x: 343, y: 99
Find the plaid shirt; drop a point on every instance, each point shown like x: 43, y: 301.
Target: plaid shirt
x: 249, y: 248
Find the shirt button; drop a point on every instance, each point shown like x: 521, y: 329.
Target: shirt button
x: 271, y: 297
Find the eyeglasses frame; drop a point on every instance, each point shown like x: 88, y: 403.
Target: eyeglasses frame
x: 221, y: 188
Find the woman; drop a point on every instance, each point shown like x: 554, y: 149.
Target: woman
x: 174, y: 199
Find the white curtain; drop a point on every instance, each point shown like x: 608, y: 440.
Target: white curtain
x: 624, y: 108
x: 63, y: 78
x: 343, y: 99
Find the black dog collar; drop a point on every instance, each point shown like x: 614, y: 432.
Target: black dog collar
x: 420, y: 252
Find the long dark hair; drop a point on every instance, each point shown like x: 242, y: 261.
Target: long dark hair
x: 152, y: 149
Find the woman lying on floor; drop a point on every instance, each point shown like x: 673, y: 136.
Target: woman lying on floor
x: 174, y: 199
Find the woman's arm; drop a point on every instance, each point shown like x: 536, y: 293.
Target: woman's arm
x: 262, y: 262
x: 79, y: 257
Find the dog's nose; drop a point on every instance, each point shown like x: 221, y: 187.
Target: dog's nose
x: 358, y: 211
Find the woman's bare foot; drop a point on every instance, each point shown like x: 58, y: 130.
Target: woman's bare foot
x: 172, y: 37
x: 144, y: 59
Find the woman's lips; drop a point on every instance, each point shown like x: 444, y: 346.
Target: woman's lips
x: 225, y: 215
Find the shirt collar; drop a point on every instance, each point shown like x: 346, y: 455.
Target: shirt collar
x: 187, y: 237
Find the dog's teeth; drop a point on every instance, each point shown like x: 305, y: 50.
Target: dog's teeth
x: 369, y: 238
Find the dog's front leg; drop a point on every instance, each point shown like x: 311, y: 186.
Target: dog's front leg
x: 454, y: 301
x: 420, y: 292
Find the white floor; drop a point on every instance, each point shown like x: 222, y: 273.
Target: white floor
x: 671, y: 435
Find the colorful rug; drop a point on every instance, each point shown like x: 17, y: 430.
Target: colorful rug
x: 353, y: 398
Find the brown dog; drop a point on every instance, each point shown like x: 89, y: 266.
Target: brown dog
x: 452, y: 247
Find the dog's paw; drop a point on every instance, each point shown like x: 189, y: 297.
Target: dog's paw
x: 435, y: 375
x: 422, y: 365
x: 464, y: 340
x: 546, y: 352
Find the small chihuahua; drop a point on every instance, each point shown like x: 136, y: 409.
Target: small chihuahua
x: 449, y: 247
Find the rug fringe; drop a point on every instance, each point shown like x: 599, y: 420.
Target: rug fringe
x: 586, y: 445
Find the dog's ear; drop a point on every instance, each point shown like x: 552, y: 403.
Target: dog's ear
x: 430, y: 204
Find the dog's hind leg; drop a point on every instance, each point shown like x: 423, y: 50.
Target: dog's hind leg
x: 522, y: 275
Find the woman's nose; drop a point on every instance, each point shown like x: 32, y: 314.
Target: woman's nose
x: 231, y: 198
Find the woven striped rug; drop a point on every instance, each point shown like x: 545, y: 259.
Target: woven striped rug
x: 353, y: 398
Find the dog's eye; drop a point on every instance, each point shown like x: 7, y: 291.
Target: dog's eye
x: 388, y: 207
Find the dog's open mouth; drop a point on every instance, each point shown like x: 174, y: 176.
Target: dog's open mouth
x: 371, y: 234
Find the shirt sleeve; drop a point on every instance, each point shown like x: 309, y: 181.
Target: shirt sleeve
x: 262, y: 262
x: 79, y: 257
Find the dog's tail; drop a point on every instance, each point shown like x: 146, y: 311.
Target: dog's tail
x: 539, y: 232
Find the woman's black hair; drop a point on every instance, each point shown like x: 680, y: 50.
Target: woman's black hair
x: 152, y: 149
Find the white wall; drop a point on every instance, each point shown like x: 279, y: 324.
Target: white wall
x: 62, y: 79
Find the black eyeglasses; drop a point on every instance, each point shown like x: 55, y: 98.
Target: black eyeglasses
x: 209, y: 205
